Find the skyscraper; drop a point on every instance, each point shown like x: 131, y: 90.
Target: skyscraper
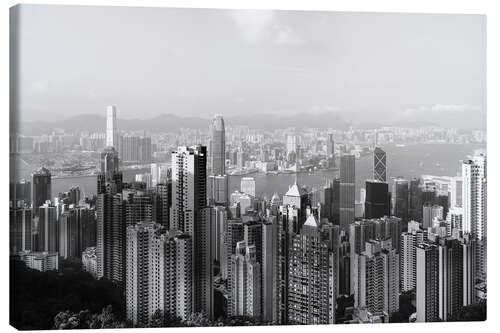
x: 330, y: 150
x: 427, y: 292
x: 217, y: 190
x: 138, y: 206
x: 109, y: 179
x: 456, y: 192
x: 233, y: 235
x: 162, y: 203
x: 248, y: 185
x: 246, y: 282
x: 20, y: 229
x: 312, y: 288
x: 400, y: 199
x: 331, y: 204
x: 218, y: 146
x: 409, y: 242
x: 297, y: 197
x: 190, y: 215
x: 69, y: 235
x: 347, y: 190
x: 139, y: 237
x: 474, y: 182
x: 376, y: 278
x: 111, y: 130
x: 111, y: 237
x: 451, y: 274
x: 41, y: 187
x: 379, y: 165
x: 269, y: 269
x: 429, y: 213
x: 292, y: 143
x: 377, y: 199
x: 415, y: 203
x: 47, y: 229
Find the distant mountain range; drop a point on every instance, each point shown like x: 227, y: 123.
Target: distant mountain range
x: 169, y: 123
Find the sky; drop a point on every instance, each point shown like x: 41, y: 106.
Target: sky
x: 200, y: 62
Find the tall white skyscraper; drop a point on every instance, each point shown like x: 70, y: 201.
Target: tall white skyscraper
x: 474, y: 196
x: 190, y: 215
x: 474, y: 207
x: 111, y: 131
x: 409, y: 242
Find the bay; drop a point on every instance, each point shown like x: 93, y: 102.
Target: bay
x: 408, y: 161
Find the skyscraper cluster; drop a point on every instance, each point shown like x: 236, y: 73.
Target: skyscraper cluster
x: 182, y: 244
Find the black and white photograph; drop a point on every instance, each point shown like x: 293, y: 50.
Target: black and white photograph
x: 196, y: 167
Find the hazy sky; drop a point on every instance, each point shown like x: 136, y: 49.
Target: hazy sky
x: 150, y: 61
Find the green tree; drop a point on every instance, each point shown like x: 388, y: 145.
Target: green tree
x: 473, y: 312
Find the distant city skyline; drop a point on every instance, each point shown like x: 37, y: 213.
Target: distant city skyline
x: 254, y: 61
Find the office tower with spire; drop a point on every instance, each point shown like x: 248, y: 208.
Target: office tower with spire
x: 379, y: 165
x: 111, y: 232
x: 190, y: 215
x: 41, y: 187
x: 111, y: 130
x: 347, y: 190
x: 217, y: 146
x: 377, y: 199
x: 297, y: 197
x: 312, y: 288
x: 474, y: 181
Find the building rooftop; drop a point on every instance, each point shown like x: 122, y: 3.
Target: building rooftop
x: 312, y: 222
x: 295, y: 191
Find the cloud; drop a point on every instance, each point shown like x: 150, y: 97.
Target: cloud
x: 262, y: 25
x: 454, y: 108
x: 442, y: 109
